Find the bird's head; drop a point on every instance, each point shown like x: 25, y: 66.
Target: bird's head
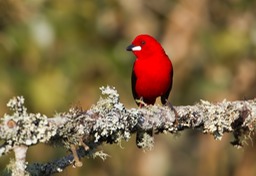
x: 145, y: 46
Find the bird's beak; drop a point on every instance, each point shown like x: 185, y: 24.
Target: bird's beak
x: 129, y: 48
x: 133, y: 48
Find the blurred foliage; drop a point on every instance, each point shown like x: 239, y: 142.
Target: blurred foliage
x: 58, y: 53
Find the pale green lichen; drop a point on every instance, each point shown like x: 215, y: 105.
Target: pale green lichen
x: 14, y: 170
x: 227, y: 116
x: 109, y: 121
x: 101, y: 155
x: 147, y: 142
x: 112, y: 120
x: 74, y: 128
x: 26, y: 129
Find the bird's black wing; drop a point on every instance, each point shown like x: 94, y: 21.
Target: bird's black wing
x: 134, y: 79
x: 165, y: 96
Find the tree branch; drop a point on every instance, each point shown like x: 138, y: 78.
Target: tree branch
x: 82, y: 131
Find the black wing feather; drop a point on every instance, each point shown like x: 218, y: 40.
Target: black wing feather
x: 134, y: 79
x: 164, y: 97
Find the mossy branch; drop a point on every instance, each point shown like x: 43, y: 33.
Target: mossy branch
x: 82, y: 131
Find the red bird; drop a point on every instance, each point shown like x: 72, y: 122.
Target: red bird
x: 152, y: 70
x: 151, y: 76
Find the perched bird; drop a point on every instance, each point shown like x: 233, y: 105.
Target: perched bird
x: 152, y: 70
x: 152, y: 74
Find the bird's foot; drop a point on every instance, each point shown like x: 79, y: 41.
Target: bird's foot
x: 176, y: 122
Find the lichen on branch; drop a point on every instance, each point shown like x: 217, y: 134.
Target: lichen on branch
x: 109, y: 121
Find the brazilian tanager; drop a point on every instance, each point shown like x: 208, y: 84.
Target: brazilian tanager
x: 152, y: 73
x: 152, y: 70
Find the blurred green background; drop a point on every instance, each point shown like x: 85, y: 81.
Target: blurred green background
x: 58, y: 53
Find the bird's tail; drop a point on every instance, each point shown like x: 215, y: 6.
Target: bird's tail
x: 144, y: 138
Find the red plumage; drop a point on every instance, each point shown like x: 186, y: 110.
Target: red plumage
x: 152, y: 73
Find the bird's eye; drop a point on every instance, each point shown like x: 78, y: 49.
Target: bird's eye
x: 143, y: 42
